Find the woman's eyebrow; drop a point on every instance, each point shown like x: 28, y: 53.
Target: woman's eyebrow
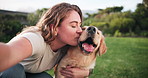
x: 75, y: 22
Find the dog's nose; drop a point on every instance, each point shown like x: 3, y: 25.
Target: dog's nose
x: 91, y: 30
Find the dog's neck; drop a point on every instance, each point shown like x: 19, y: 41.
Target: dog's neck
x: 76, y: 54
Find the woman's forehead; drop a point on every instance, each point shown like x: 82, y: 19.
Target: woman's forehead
x: 73, y: 16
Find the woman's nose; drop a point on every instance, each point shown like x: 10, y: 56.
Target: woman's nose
x: 79, y: 30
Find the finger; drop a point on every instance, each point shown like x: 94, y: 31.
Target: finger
x: 69, y: 66
x: 67, y: 75
x: 66, y: 70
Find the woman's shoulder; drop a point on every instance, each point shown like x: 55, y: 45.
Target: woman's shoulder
x: 32, y: 32
x: 30, y: 29
x: 35, y: 38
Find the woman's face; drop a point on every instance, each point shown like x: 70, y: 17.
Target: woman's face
x: 69, y: 31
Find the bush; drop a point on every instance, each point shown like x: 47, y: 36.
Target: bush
x: 117, y: 33
x: 144, y: 34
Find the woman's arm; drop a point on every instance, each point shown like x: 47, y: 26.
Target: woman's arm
x: 14, y: 52
x: 71, y: 72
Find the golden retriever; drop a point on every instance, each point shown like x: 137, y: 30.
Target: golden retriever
x: 90, y: 44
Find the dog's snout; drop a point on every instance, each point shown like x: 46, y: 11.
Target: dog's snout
x: 91, y: 30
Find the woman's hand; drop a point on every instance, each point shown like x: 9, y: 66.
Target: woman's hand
x: 71, y: 72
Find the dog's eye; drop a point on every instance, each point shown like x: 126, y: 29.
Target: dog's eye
x: 98, y: 32
x: 83, y: 28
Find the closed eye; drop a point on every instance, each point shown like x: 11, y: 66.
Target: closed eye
x: 73, y: 26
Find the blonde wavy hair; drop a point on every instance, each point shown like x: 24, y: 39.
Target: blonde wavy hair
x: 52, y: 19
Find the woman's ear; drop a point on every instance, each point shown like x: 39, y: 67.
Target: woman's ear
x: 102, y: 48
x: 56, y: 31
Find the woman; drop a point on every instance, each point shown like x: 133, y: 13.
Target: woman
x: 39, y: 48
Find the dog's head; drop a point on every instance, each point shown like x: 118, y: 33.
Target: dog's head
x: 92, y: 41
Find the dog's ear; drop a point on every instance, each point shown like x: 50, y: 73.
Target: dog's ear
x: 102, y: 48
x: 84, y: 27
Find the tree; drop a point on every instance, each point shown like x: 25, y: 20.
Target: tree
x: 9, y: 29
x: 10, y: 25
x: 141, y: 15
x: 33, y: 18
x: 111, y: 9
x: 115, y: 22
x: 145, y: 2
x: 124, y: 25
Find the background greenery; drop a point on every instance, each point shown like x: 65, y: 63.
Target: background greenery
x: 126, y: 38
x: 112, y: 21
x: 116, y: 23
x: 125, y: 58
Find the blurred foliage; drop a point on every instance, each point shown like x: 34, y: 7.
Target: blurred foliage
x: 33, y: 18
x: 111, y: 21
x: 10, y: 25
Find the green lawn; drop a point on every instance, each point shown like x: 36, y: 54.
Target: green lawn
x: 125, y: 58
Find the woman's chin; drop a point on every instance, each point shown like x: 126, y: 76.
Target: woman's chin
x: 74, y: 44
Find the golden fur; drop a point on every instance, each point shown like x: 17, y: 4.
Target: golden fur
x: 90, y: 39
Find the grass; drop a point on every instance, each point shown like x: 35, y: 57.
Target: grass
x: 125, y: 58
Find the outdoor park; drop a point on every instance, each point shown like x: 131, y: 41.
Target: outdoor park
x: 126, y: 37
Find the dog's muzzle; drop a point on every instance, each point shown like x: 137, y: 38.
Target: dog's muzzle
x: 88, y: 46
x: 91, y: 30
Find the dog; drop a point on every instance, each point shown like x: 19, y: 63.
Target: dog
x: 90, y: 44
